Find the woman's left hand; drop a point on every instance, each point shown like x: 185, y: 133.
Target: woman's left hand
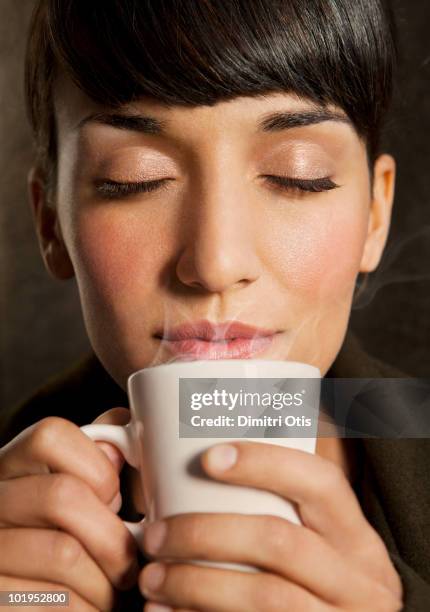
x: 334, y: 561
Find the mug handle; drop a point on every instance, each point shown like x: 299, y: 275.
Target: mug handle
x: 122, y: 437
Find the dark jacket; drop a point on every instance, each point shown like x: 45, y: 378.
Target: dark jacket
x: 393, y: 485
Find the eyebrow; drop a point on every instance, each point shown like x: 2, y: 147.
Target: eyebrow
x: 287, y: 120
x: 136, y: 123
x: 272, y: 122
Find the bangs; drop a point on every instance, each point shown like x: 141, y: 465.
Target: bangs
x: 199, y: 52
x: 188, y: 52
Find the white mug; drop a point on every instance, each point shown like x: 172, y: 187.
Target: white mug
x: 172, y: 480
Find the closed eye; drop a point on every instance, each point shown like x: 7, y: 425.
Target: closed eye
x: 299, y: 185
x: 114, y: 189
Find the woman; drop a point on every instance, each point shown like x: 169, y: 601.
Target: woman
x: 204, y: 162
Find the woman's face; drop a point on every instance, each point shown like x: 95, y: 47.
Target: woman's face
x: 219, y: 239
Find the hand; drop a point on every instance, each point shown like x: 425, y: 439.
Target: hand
x: 59, y: 493
x: 334, y: 561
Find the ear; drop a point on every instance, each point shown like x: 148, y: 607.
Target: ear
x: 51, y: 243
x: 380, y: 212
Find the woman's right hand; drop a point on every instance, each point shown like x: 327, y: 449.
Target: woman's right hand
x: 59, y: 494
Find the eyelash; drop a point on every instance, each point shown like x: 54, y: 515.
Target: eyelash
x: 302, y: 185
x: 114, y: 189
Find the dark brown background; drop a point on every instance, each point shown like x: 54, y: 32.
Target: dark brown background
x: 41, y: 325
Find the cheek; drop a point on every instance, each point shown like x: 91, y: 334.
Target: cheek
x: 317, y: 251
x: 116, y: 258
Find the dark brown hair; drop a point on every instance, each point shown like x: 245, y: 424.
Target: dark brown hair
x: 188, y: 52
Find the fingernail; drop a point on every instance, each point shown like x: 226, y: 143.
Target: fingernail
x: 154, y: 536
x: 153, y: 576
x: 222, y: 457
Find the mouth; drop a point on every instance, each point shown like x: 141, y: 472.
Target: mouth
x: 205, y: 340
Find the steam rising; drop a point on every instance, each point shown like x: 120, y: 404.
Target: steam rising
x: 399, y: 265
x: 180, y: 314
x: 215, y: 311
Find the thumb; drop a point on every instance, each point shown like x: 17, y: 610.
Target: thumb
x: 114, y: 416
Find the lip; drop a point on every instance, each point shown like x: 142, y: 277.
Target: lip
x: 205, y: 330
x: 205, y: 340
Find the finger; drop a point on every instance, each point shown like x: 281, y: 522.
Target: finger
x: 184, y: 585
x: 60, y: 559
x: 326, y: 501
x: 57, y: 445
x: 268, y: 542
x: 114, y: 416
x: 121, y: 416
x: 76, y: 602
x: 65, y: 502
x: 155, y: 607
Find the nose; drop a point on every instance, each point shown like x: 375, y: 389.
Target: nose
x: 220, y: 246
